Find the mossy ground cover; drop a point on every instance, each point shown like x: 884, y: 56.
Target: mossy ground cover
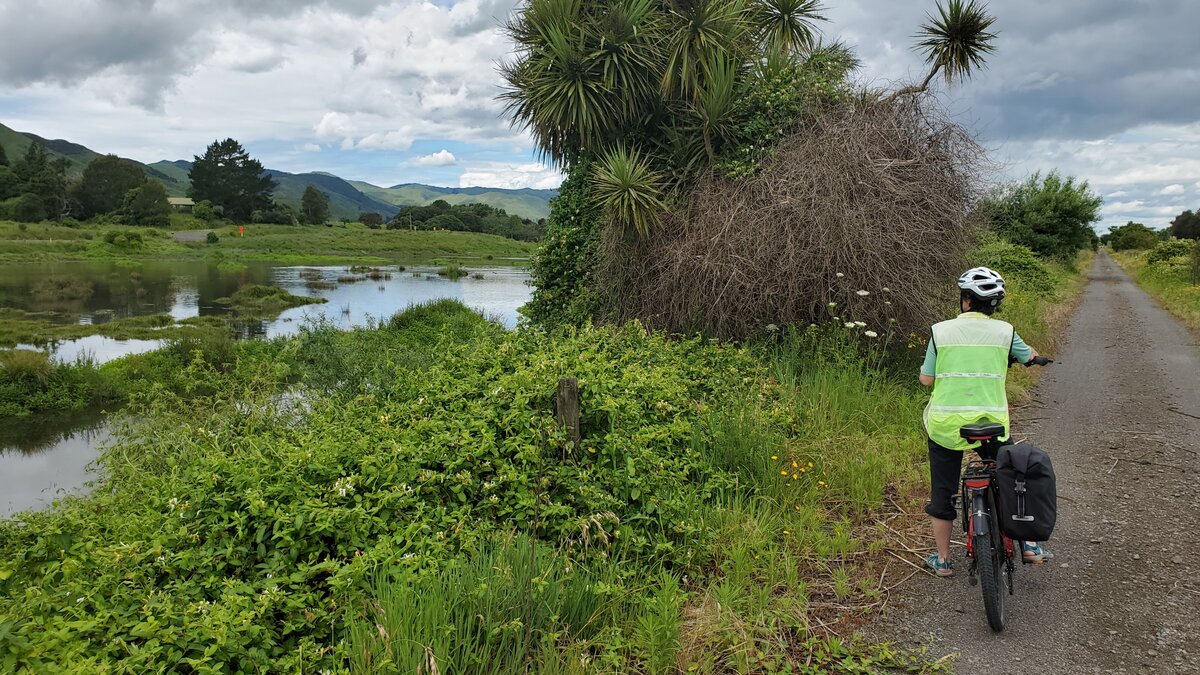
x: 349, y: 242
x: 1169, y: 279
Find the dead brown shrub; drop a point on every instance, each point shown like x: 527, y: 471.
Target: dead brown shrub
x: 880, y: 192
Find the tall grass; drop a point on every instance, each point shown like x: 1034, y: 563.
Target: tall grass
x: 503, y: 609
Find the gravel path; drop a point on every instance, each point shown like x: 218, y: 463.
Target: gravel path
x: 1120, y: 415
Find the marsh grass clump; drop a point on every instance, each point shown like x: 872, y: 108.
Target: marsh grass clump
x: 259, y: 299
x: 349, y: 279
x: 310, y: 274
x: 452, y: 271
x: 318, y: 285
x: 27, y: 365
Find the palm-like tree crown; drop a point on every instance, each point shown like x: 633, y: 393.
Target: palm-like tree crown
x: 957, y: 41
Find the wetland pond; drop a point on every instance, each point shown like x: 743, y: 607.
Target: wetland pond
x: 44, y: 457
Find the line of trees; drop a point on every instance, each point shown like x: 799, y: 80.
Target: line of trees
x: 36, y: 188
x: 441, y: 215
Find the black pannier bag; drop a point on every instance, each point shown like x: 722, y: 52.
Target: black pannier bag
x: 1026, y: 495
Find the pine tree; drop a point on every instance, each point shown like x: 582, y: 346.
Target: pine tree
x: 315, y: 205
x: 228, y: 177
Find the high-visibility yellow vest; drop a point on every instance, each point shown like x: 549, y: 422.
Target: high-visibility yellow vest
x: 972, y: 364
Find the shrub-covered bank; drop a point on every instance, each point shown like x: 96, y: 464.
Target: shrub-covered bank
x: 708, y: 519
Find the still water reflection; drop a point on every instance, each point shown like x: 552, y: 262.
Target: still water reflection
x: 42, y: 458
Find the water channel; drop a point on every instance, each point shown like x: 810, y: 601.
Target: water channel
x: 42, y: 458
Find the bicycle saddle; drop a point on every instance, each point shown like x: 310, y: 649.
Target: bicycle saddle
x: 982, y: 431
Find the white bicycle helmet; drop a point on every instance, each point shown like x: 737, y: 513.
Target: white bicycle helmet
x: 984, y: 284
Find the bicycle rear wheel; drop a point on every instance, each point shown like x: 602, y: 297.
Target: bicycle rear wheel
x: 991, y: 576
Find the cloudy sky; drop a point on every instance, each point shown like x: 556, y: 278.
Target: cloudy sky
x: 390, y: 92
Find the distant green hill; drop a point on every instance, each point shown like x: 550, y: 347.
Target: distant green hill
x: 17, y: 142
x: 525, y: 202
x: 346, y: 198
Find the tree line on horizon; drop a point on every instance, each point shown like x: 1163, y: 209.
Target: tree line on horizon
x: 226, y: 184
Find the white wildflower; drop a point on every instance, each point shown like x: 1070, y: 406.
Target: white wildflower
x: 849, y: 324
x: 871, y: 334
x: 832, y: 305
x: 771, y: 328
x: 343, y: 486
x: 860, y: 324
x: 862, y: 293
x: 840, y: 275
x: 886, y: 289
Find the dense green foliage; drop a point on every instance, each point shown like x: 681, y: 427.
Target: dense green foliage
x: 563, y: 267
x: 105, y: 182
x: 441, y: 215
x: 314, y: 205
x: 228, y: 177
x: 1168, y: 251
x: 657, y: 91
x: 147, y: 205
x: 34, y: 188
x: 1051, y: 215
x: 1017, y: 264
x: 1186, y: 225
x: 1131, y: 236
x: 241, y: 531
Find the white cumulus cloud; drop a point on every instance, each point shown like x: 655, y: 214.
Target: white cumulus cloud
x: 1175, y: 189
x: 334, y: 126
x: 439, y: 158
x: 512, y: 176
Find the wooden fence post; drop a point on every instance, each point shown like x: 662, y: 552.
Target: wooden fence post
x: 567, y: 408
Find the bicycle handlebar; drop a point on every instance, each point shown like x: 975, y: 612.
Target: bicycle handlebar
x: 1035, y: 361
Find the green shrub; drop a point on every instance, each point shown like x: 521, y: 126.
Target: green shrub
x: 1017, y: 263
x: 212, y: 238
x: 564, y: 265
x: 124, y: 238
x: 1168, y: 250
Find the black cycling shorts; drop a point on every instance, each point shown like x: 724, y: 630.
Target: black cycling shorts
x: 945, y: 470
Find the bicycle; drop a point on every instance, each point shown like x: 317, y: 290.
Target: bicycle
x: 989, y: 549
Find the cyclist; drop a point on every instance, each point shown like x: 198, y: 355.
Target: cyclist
x: 966, y: 364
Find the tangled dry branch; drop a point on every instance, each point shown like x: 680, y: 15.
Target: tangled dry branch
x: 880, y: 192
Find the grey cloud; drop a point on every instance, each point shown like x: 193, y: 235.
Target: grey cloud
x: 1064, y: 69
x: 359, y: 55
x: 489, y: 15
x: 147, y: 43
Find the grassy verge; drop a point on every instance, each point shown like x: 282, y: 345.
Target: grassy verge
x: 1168, y: 280
x: 346, y: 243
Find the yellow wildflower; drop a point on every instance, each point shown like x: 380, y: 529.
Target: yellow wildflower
x: 774, y: 456
x: 782, y: 473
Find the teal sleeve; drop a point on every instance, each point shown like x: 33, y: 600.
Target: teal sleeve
x: 1020, y: 351
x: 930, y: 366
